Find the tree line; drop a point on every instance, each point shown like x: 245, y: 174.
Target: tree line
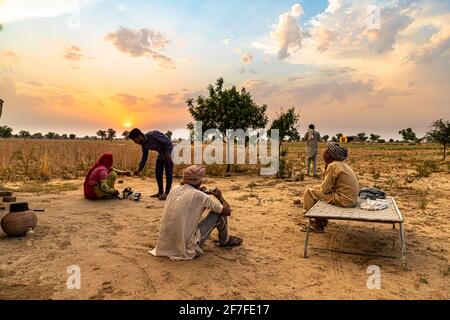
x: 231, y: 108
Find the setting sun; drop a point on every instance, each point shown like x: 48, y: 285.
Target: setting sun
x: 127, y: 125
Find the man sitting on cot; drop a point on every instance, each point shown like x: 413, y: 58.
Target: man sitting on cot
x: 182, y: 233
x: 100, y: 180
x: 339, y: 187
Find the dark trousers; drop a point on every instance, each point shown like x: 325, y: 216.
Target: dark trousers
x: 161, y: 166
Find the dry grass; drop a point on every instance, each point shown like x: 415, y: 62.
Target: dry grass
x: 42, y: 160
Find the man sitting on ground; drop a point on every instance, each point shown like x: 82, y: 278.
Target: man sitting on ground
x: 182, y: 233
x: 339, y: 187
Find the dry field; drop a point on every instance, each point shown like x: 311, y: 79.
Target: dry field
x: 109, y: 240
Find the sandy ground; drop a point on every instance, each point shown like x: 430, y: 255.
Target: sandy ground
x: 110, y: 240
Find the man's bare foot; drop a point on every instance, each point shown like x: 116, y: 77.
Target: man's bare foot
x: 156, y: 195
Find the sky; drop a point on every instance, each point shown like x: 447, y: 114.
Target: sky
x: 77, y: 66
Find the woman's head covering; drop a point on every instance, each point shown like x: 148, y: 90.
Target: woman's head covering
x: 336, y: 151
x: 193, y: 175
x: 105, y: 160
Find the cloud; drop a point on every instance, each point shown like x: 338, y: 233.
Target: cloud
x: 73, y: 53
x: 247, y: 58
x: 243, y: 70
x: 16, y: 10
x: 288, y: 33
x: 346, y: 24
x: 438, y: 45
x: 225, y: 42
x: 140, y: 43
x: 127, y: 99
x: 10, y: 56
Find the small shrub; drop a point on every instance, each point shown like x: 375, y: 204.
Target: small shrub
x: 423, y: 171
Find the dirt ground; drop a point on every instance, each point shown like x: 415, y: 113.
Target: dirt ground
x: 110, y: 240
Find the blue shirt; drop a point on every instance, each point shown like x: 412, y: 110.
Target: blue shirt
x: 156, y: 141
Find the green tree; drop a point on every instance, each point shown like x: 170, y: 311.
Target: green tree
x: 5, y: 132
x: 111, y: 134
x: 374, y: 137
x: 125, y: 134
x: 64, y: 136
x: 362, y: 137
x: 440, y: 133
x: 226, y: 109
x: 325, y: 138
x: 169, y: 134
x: 338, y: 137
x: 24, y: 134
x: 72, y: 136
x: 408, y: 135
x: 101, y: 134
x: 286, y: 123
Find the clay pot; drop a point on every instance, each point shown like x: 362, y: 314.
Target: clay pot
x: 18, y: 220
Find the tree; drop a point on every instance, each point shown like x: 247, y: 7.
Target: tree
x: 72, y: 136
x: 125, y: 134
x: 408, y: 135
x: 24, y: 134
x: 37, y: 135
x: 440, y: 133
x: 361, y: 137
x: 374, y: 137
x: 227, y: 109
x: 339, y: 136
x: 325, y: 138
x: 51, y: 135
x: 64, y: 136
x: 6, y: 132
x: 169, y: 134
x: 102, y: 134
x: 286, y: 123
x: 111, y: 134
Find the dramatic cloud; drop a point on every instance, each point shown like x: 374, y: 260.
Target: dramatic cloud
x: 348, y: 24
x: 73, y: 53
x: 288, y: 33
x: 143, y: 42
x: 438, y: 45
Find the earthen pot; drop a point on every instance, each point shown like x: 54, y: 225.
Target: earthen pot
x: 18, y: 220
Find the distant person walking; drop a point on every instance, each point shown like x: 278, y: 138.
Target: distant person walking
x: 159, y: 142
x: 312, y: 138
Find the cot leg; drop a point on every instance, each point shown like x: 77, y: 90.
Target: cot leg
x: 402, y: 242
x: 307, y: 238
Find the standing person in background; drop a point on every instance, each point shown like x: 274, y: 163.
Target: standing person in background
x: 159, y: 142
x: 312, y: 138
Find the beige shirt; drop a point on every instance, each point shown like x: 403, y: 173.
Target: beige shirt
x: 179, y: 235
x: 312, y: 138
x: 341, y: 181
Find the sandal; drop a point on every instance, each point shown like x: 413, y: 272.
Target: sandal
x: 232, y: 242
